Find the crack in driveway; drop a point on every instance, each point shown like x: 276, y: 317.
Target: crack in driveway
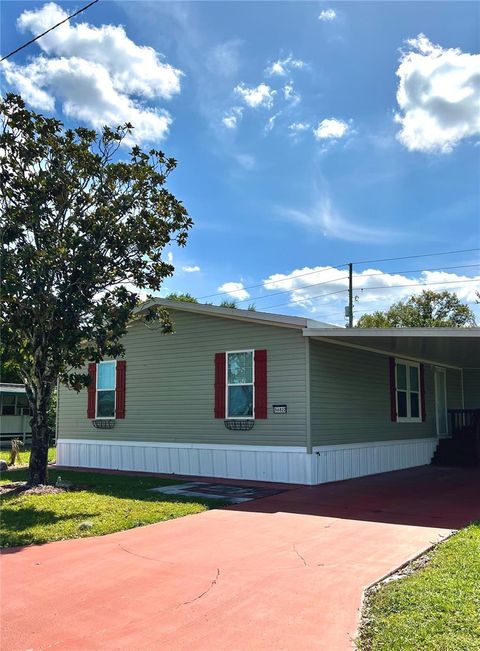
x: 299, y: 555
x: 185, y: 603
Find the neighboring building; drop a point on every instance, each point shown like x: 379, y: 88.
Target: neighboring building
x: 14, y: 413
x: 250, y: 395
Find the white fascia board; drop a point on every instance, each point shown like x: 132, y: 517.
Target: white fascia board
x: 347, y: 333
x: 227, y: 313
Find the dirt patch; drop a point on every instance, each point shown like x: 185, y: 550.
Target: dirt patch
x: 17, y: 487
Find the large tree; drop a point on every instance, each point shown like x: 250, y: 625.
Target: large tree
x: 80, y: 228
x: 426, y: 310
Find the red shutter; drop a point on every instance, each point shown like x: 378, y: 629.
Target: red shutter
x: 393, y: 390
x: 220, y: 384
x: 92, y: 390
x: 260, y: 384
x: 120, y: 389
x: 422, y: 392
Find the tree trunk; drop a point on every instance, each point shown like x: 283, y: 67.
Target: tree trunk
x: 38, y: 467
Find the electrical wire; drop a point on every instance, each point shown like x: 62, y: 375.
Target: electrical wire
x: 7, y: 56
x: 334, y: 280
x: 410, y: 257
x: 271, y: 282
x: 303, y: 300
x: 374, y: 309
x: 437, y: 282
x: 381, y: 287
x: 287, y: 291
x: 340, y: 266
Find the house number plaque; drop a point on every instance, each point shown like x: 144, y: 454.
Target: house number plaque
x: 279, y: 409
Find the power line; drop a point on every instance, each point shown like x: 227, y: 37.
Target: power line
x: 376, y: 309
x: 410, y: 257
x: 271, y: 282
x: 437, y: 282
x: 339, y: 266
x: 411, y: 271
x: 303, y: 300
x: 286, y: 291
x: 334, y: 280
x: 309, y: 298
x: 7, y: 56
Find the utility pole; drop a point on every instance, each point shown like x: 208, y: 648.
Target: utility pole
x: 350, y: 295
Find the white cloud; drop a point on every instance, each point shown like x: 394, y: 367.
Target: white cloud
x: 233, y: 117
x: 323, y: 290
x: 290, y: 95
x: 271, y: 122
x: 170, y: 257
x: 324, y: 218
x: 98, y: 74
x: 235, y: 290
x: 261, y: 95
x: 297, y: 127
x: 190, y: 269
x: 438, y: 96
x: 282, y: 67
x: 230, y: 121
x: 330, y: 128
x: 327, y: 15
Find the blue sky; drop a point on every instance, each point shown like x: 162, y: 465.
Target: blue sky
x: 295, y: 151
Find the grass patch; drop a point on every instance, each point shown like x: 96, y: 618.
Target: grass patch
x: 434, y: 609
x: 100, y: 504
x: 23, y: 458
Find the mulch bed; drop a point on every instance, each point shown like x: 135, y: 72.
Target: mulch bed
x: 21, y: 487
x: 17, y: 487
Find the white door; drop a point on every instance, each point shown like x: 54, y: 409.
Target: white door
x: 441, y: 402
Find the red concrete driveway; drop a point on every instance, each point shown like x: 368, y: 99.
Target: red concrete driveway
x: 285, y: 572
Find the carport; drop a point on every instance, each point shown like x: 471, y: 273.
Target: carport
x: 456, y: 349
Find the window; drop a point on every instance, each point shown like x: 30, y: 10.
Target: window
x: 106, y: 390
x: 240, y: 384
x: 22, y: 405
x: 8, y: 405
x: 14, y: 405
x: 408, y: 391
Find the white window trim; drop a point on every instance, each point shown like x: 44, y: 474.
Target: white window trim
x: 107, y: 361
x: 409, y: 419
x: 252, y: 384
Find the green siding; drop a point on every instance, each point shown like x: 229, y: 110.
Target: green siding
x: 454, y: 389
x: 471, y: 388
x: 170, y: 380
x: 350, y: 398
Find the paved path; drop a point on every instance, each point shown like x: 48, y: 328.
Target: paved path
x: 285, y: 572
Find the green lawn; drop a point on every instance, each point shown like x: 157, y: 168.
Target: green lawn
x: 24, y: 456
x: 104, y: 504
x: 434, y: 609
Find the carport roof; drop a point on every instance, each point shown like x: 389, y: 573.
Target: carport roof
x: 458, y: 347
x: 7, y: 387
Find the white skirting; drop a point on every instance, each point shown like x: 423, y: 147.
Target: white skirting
x: 261, y: 463
x: 335, y: 462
